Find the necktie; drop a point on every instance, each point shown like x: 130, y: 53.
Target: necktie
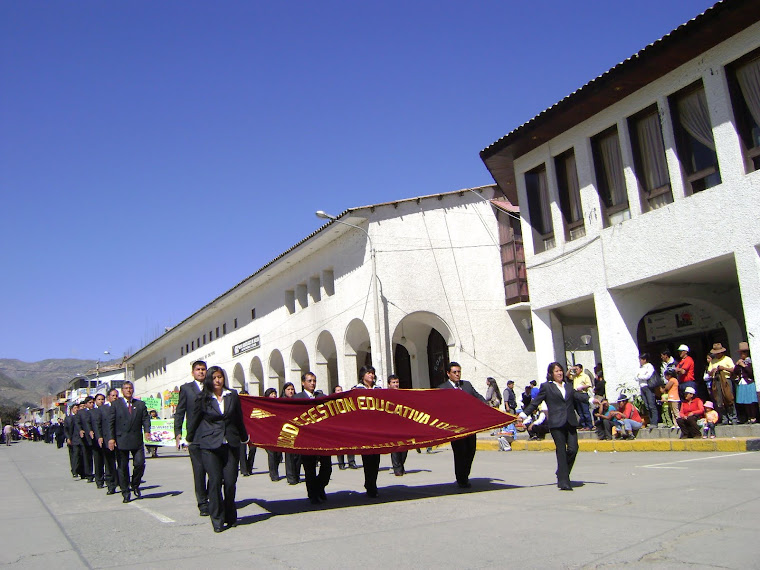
x: 129, y: 407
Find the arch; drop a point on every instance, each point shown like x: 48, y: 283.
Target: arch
x: 276, y: 374
x: 421, y: 343
x: 256, y: 377
x: 237, y: 379
x: 299, y: 362
x: 357, y: 349
x: 326, y: 366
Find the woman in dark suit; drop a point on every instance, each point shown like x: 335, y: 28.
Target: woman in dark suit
x: 217, y: 427
x: 292, y: 460
x: 371, y: 462
x: 274, y: 458
x: 560, y: 398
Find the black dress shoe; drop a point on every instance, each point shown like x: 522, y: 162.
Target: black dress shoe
x: 465, y: 485
x: 246, y: 474
x: 341, y: 466
x: 126, y: 498
x: 136, y: 491
x: 372, y: 493
x: 322, y: 495
x: 218, y: 528
x: 99, y: 485
x: 293, y: 482
x: 353, y: 466
x: 90, y: 479
x: 314, y: 500
x: 565, y: 487
x: 111, y: 492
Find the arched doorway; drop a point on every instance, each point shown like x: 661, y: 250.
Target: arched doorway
x: 256, y: 378
x: 237, y: 381
x: 299, y: 363
x: 438, y: 358
x: 357, y: 351
x: 326, y: 363
x: 403, y: 366
x: 276, y: 370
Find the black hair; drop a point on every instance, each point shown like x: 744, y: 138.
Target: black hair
x: 644, y: 356
x: 550, y: 369
x: 208, y: 383
x: 392, y: 377
x: 451, y: 365
x: 305, y: 374
x: 282, y: 392
x: 194, y: 364
x: 269, y: 391
x: 666, y: 352
x: 364, y: 370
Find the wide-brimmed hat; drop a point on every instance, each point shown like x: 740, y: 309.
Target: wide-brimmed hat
x: 683, y: 347
x: 689, y: 390
x: 717, y: 349
x: 743, y: 346
x: 709, y: 404
x: 622, y: 398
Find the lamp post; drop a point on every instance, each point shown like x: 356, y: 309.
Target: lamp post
x: 377, y: 348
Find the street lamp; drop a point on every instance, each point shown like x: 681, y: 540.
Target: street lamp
x: 375, y: 298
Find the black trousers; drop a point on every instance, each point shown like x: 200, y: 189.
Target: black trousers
x: 342, y: 459
x: 109, y: 465
x: 75, y: 459
x: 98, y: 460
x: 566, y: 444
x: 221, y: 465
x: 274, y: 458
x: 689, y: 427
x: 293, y: 467
x: 371, y: 465
x: 87, y: 461
x: 397, y: 460
x: 603, y: 428
x: 247, y: 455
x: 464, y: 453
x: 138, y: 468
x: 199, y: 475
x: 316, y: 483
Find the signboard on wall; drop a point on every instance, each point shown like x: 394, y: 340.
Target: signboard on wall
x: 679, y: 322
x: 246, y: 346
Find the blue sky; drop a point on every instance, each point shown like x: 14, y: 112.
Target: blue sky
x: 154, y: 154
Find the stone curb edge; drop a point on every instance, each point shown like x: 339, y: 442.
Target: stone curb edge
x: 726, y: 444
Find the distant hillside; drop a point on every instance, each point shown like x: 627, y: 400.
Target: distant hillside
x: 26, y: 382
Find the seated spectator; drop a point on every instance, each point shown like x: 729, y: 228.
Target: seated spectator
x: 629, y: 417
x: 692, y: 409
x: 711, y: 419
x: 507, y: 436
x: 536, y: 423
x: 604, y: 417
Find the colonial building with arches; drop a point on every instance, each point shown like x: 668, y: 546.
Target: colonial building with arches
x: 639, y: 194
x: 450, y: 275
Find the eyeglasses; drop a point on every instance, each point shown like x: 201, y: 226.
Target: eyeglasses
x: 455, y: 372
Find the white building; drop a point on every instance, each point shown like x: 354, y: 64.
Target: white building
x: 448, y: 265
x: 638, y: 197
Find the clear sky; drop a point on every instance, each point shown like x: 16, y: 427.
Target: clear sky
x: 154, y: 154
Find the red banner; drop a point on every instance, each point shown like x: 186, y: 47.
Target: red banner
x: 367, y: 421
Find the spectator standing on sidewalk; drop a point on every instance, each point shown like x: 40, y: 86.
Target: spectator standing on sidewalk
x: 646, y: 378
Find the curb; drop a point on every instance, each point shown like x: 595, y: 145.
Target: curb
x: 724, y: 444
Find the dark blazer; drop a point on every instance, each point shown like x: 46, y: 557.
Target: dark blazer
x: 71, y: 430
x: 82, y: 422
x: 185, y: 406
x: 303, y: 395
x: 466, y: 387
x: 127, y: 429
x: 209, y: 428
x: 561, y: 410
x: 98, y: 417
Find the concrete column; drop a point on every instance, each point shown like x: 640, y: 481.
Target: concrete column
x: 675, y: 173
x: 617, y: 341
x: 549, y: 341
x: 727, y: 144
x: 748, y: 272
x: 592, y: 206
x: 558, y: 222
x: 631, y: 182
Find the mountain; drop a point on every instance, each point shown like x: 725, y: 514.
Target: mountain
x: 26, y: 382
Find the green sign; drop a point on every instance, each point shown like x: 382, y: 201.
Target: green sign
x: 153, y: 403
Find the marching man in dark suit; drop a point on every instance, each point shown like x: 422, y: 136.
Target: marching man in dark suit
x: 127, y: 422
x: 188, y: 393
x: 464, y: 449
x: 97, y: 416
x: 315, y: 484
x: 560, y: 398
x: 71, y: 431
x: 109, y: 456
x: 84, y: 424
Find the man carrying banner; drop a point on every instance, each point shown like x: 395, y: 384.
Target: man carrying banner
x: 315, y: 484
x: 464, y: 448
x: 188, y: 393
x: 398, y: 458
x: 370, y: 463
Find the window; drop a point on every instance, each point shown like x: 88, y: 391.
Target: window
x: 512, y: 259
x: 182, y: 351
x: 192, y: 345
x: 694, y: 138
x: 301, y: 295
x: 224, y: 328
x: 217, y: 332
x: 610, y: 181
x: 234, y: 323
x: 253, y: 314
x: 569, y: 195
x: 649, y: 158
x: 210, y: 336
x: 204, y: 339
x: 187, y: 348
x: 539, y: 209
x: 198, y: 342
x: 328, y: 282
x: 290, y: 301
x: 744, y: 86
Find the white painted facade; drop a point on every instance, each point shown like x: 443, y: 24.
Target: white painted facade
x: 700, y: 251
x: 438, y: 267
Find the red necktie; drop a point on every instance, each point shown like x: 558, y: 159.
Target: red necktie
x: 129, y: 407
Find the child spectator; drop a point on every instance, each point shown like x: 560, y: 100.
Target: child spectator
x: 711, y: 418
x: 670, y: 398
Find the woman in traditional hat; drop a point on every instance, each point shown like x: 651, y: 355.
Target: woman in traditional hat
x: 720, y: 369
x: 746, y: 391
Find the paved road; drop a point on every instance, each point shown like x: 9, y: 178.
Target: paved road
x: 639, y: 510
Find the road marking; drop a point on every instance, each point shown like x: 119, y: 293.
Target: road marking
x: 660, y: 465
x: 749, y: 469
x: 154, y: 514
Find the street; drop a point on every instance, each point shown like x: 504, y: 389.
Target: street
x: 639, y: 510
